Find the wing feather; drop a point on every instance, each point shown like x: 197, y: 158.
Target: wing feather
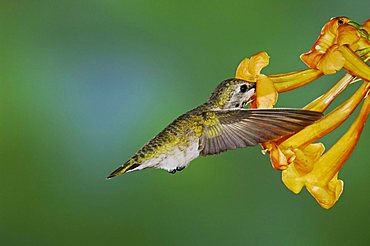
x: 248, y: 127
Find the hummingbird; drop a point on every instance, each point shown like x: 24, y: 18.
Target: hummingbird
x: 218, y: 125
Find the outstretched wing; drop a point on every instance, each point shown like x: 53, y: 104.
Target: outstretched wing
x: 231, y: 129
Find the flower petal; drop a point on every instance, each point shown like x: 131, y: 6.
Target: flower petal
x: 326, y: 39
x: 248, y: 69
x: 266, y: 94
x: 278, y: 159
x: 327, y: 195
x: 366, y: 26
x: 354, y: 64
x: 257, y: 62
x: 353, y: 35
x: 242, y: 71
x: 347, y: 34
x: 293, y: 176
x: 306, y: 157
x: 292, y: 179
x: 331, y: 61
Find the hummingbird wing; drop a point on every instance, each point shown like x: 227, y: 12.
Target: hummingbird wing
x: 231, y: 129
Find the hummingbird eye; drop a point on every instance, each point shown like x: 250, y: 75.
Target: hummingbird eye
x: 243, y: 88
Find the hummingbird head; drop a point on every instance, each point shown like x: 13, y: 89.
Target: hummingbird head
x: 233, y: 93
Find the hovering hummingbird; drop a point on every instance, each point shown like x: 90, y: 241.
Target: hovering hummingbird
x: 218, y: 125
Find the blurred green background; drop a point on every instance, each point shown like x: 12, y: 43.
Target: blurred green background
x: 84, y: 84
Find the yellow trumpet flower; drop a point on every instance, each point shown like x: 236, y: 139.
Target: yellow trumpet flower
x: 321, y: 178
x: 342, y: 44
x: 268, y: 87
x: 324, y: 55
x: 338, y: 39
x: 250, y: 69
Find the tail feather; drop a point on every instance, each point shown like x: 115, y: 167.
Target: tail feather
x: 122, y: 169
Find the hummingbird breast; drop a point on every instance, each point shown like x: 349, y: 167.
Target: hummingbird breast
x: 172, y: 149
x: 176, y: 158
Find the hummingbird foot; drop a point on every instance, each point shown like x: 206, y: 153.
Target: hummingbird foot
x: 180, y: 168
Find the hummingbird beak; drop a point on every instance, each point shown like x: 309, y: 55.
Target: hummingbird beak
x: 250, y: 100
x: 251, y: 96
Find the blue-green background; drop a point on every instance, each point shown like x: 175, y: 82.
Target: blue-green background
x: 83, y: 84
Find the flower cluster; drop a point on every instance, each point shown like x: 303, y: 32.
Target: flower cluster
x: 342, y: 44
